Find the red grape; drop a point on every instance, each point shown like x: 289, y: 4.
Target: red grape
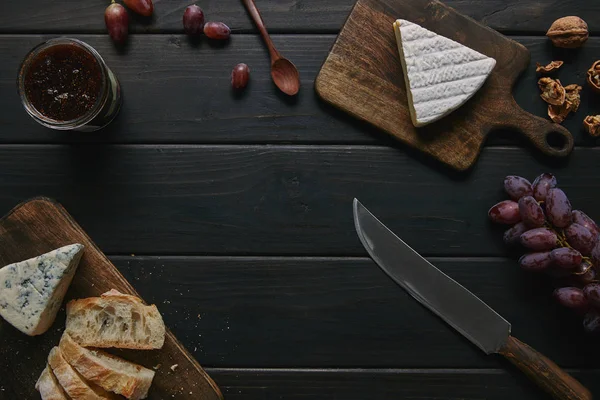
x: 513, y: 235
x: 558, y: 208
x: 582, y: 219
x: 592, y: 292
x: 517, y: 187
x: 580, y: 238
x: 539, y: 239
x: 531, y: 212
x: 193, y: 20
x: 117, y: 22
x: 542, y: 184
x: 240, y: 76
x: 536, y: 261
x: 591, y: 322
x: 505, y: 212
x: 142, y: 7
x: 566, y: 258
x: 595, y: 254
x: 571, y: 297
x: 585, y: 273
x: 217, y: 30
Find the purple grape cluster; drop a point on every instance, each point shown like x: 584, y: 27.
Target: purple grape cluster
x: 560, y: 241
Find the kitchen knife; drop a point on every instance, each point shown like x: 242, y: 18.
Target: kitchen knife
x: 460, y: 308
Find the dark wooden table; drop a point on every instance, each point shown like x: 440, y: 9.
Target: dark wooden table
x: 233, y: 214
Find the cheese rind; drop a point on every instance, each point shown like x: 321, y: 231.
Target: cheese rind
x: 33, y: 290
x: 440, y: 74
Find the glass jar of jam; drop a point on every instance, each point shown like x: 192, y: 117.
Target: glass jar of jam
x: 65, y: 84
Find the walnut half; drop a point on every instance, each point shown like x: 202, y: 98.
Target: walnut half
x: 548, y: 69
x: 593, y: 76
x: 591, y: 124
x: 568, y: 32
x: 558, y: 112
x: 552, y: 91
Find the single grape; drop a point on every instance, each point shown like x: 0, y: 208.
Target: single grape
x: 513, y: 235
x: 539, y: 239
x: 591, y: 322
x: 542, y: 184
x: 595, y: 254
x: 566, y: 258
x: 517, y: 187
x: 571, y: 297
x: 117, y: 22
x: 240, y: 76
x: 193, y: 20
x: 592, y: 292
x: 531, y: 212
x: 584, y: 273
x: 582, y: 219
x: 558, y: 208
x: 535, y: 261
x: 580, y: 238
x: 217, y: 30
x: 505, y: 212
x: 142, y: 7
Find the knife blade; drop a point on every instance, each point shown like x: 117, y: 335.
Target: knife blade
x: 460, y: 308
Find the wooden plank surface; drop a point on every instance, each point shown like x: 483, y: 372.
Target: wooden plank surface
x: 202, y: 109
x: 343, y: 312
x: 243, y: 384
x: 280, y: 15
x: 277, y: 200
x: 39, y: 226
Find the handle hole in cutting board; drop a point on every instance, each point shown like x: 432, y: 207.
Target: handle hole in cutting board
x: 556, y: 140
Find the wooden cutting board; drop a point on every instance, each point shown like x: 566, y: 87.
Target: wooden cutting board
x: 38, y: 226
x: 363, y: 76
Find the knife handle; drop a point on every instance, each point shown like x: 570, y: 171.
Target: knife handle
x: 544, y: 372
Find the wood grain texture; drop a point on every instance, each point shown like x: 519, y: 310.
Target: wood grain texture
x: 370, y: 84
x: 59, y: 16
x: 299, y: 312
x: 156, y: 67
x: 277, y: 200
x: 38, y: 226
x: 361, y: 384
x: 544, y: 372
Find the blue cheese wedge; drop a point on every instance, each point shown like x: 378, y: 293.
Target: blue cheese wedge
x: 440, y: 74
x: 32, y: 291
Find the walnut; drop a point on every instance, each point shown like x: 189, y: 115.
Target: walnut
x: 552, y: 91
x: 559, y: 112
x: 591, y: 124
x: 568, y: 32
x: 548, y: 69
x: 593, y: 76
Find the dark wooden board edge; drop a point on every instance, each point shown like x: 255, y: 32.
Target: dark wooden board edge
x: 171, y: 346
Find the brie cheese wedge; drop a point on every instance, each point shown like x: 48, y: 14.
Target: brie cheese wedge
x: 440, y: 74
x: 32, y: 291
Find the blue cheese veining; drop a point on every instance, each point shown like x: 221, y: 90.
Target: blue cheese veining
x: 440, y: 74
x: 32, y: 291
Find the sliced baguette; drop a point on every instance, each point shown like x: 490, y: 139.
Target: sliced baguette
x: 115, y: 320
x: 107, y: 371
x: 49, y: 387
x: 72, y: 383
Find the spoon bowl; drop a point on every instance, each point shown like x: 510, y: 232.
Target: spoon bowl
x: 285, y: 76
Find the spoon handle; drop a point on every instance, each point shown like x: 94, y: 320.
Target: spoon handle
x: 251, y: 7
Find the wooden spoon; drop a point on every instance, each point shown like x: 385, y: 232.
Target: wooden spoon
x: 284, y: 73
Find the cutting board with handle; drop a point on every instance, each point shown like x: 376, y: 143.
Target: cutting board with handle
x: 38, y: 226
x: 362, y: 75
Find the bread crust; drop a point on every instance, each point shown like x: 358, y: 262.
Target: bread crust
x: 49, y: 387
x: 120, y: 376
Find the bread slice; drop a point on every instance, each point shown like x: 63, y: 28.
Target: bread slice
x: 49, y: 387
x: 107, y: 371
x: 72, y: 383
x: 115, y: 320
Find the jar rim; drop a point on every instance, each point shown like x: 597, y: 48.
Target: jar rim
x: 50, y: 122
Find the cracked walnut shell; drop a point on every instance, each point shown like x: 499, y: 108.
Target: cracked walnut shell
x: 558, y: 113
x: 547, y: 69
x: 593, y: 76
x: 568, y: 32
x: 591, y: 124
x: 552, y: 91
